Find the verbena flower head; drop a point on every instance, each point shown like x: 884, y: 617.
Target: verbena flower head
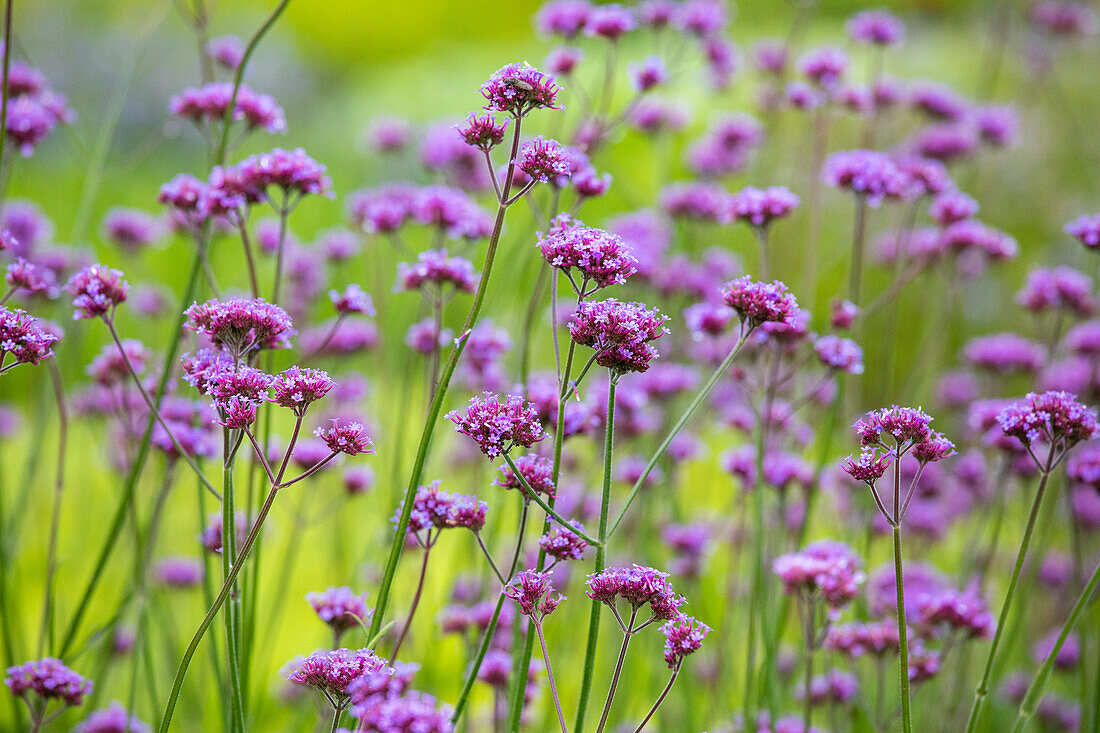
x: 842, y: 354
x: 683, y: 636
x: 414, y: 712
x: 760, y: 207
x: 869, y: 174
x: 208, y: 104
x: 482, y: 131
x: 240, y: 326
x: 332, y: 671
x: 131, y: 229
x: 536, y: 470
x: 952, y: 206
x: 905, y: 426
x: 341, y: 608
x: 297, y: 388
x: 827, y: 569
x: 934, y: 448
x: 621, y: 333
x: 534, y: 593
x: 112, y: 719
x: 1086, y: 229
x: 352, y: 300
x: 637, y: 586
x: 760, y: 302
x: 23, y: 339
x: 1005, y: 353
x: 824, y: 66
x: 348, y: 437
x: 1055, y: 418
x: 542, y: 159
x: 519, y: 88
x: 650, y: 73
x: 294, y: 172
x: 879, y: 638
x: 1063, y: 19
x: 1060, y: 288
x: 563, y: 17
x: 227, y: 50
x: 562, y: 544
x: 499, y: 426
x: 97, y: 291
x: 611, y: 21
x: 178, y: 572
x: 701, y: 18
x: 876, y: 27
x: 595, y: 254
x: 435, y: 267
x: 868, y: 468
x: 955, y: 611
x: 48, y: 679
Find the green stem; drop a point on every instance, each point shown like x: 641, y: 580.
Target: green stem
x: 695, y: 403
x: 601, y: 549
x: 903, y: 666
x: 440, y: 393
x: 855, y: 274
x: 983, y: 687
x: 627, y: 633
x: 1035, y: 691
x: 229, y: 547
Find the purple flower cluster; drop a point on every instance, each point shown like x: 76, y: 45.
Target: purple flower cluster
x: 97, y: 291
x: 1055, y: 418
x: 876, y: 27
x: 433, y: 508
x: 761, y: 206
x: 842, y: 354
x: 352, y: 300
x: 240, y: 326
x: 825, y: 569
x: 542, y: 159
x: 347, y: 437
x: 23, y: 338
x: 595, y: 254
x: 534, y: 593
x: 208, y: 105
x: 518, y: 89
x: 561, y: 543
x: 536, y: 470
x: 341, y: 608
x: 297, y: 388
x: 1086, y: 229
x: 482, y: 131
x: 436, y: 269
x: 684, y: 635
x: 499, y: 426
x: 760, y: 302
x: 112, y: 719
x: 637, y: 586
x: 869, y: 174
x: 332, y: 671
x: 621, y: 333
x: 49, y: 679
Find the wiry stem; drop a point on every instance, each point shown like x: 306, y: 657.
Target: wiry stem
x: 550, y: 675
x: 660, y: 699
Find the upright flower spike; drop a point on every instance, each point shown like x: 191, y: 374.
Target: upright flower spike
x: 519, y: 88
x: 620, y: 333
x: 498, y: 426
x: 97, y: 291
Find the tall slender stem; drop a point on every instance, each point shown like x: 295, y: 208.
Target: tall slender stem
x: 601, y: 549
x: 550, y: 675
x: 810, y: 637
x: 660, y: 699
x: 46, y: 632
x: 627, y: 633
x: 440, y: 393
x: 1035, y: 690
x: 229, y: 548
x: 859, y: 233
x: 983, y: 687
x: 415, y: 600
x: 903, y: 641
x: 4, y: 89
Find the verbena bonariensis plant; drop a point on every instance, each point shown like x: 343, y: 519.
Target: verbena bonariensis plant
x: 664, y: 411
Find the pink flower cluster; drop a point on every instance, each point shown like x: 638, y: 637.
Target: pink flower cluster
x: 638, y: 586
x: 621, y: 333
x: 534, y: 593
x: 498, y: 426
x: 824, y: 569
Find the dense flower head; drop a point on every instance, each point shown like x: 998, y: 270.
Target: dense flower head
x: 760, y: 207
x: 534, y: 593
x: 621, y: 333
x: 957, y: 611
x: 834, y: 686
x: 1086, y: 229
x: 292, y: 171
x: 348, y: 437
x: 536, y: 470
x: 23, y: 338
x: 49, y: 679
x: 96, y: 291
x: 561, y: 543
x: 352, y: 300
x: 610, y: 21
x: 637, y: 586
x: 563, y: 60
x: 1084, y: 467
x: 1005, y: 353
x: 414, y: 712
x: 241, y: 325
x: 879, y: 638
x: 824, y: 66
x: 699, y: 200
x: 112, y: 719
x: 683, y: 636
x: 32, y: 117
x: 952, y: 206
x: 825, y: 568
x: 597, y: 255
x: 341, y: 608
x: 938, y: 101
x: 1059, y: 288
x: 208, y: 104
x: 131, y: 229
x: 701, y: 18
x: 1068, y: 656
x: 435, y: 267
x: 297, y: 388
x: 332, y: 671
x: 542, y: 159
x: 842, y: 354
x: 760, y: 302
x: 971, y: 235
x: 946, y: 141
x: 867, y: 173
x: 449, y: 209
x: 178, y: 572
x: 498, y: 426
x: 876, y: 27
x: 227, y: 50
x: 1056, y: 418
x: 482, y: 131
x: 1062, y: 18
x: 935, y: 447
x: 519, y: 88
x: 904, y: 425
x: 563, y: 17
x: 869, y: 467
x: 650, y: 73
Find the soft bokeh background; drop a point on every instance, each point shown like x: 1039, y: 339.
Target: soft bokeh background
x: 336, y: 64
